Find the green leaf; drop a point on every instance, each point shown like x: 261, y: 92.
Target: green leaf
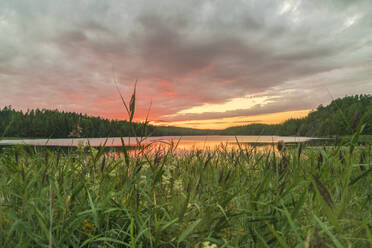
x: 168, y: 224
x: 188, y: 230
x: 364, y: 174
x: 132, y: 103
x: 326, y: 229
x: 126, y: 156
x: 368, y: 232
x: 276, y: 234
x: 94, y: 210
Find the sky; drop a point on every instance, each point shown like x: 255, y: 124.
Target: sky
x: 201, y: 64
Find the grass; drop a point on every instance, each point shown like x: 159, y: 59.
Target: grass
x: 364, y: 139
x: 88, y: 198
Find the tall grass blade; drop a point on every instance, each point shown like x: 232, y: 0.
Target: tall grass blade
x: 188, y: 230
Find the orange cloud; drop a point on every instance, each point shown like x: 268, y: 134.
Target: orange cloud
x: 223, y: 123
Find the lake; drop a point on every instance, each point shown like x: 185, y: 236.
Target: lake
x: 184, y: 142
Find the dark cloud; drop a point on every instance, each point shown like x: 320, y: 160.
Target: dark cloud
x: 184, y: 54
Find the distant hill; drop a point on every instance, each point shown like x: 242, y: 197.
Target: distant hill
x: 340, y: 117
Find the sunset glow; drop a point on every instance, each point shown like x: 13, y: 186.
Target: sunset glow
x: 223, y: 123
x: 233, y: 104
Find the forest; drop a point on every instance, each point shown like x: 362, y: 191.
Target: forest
x: 55, y: 124
x: 340, y: 117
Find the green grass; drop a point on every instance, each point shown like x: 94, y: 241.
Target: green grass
x: 364, y: 139
x: 299, y: 198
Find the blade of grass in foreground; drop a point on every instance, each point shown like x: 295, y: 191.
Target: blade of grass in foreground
x: 188, y: 230
x: 326, y: 229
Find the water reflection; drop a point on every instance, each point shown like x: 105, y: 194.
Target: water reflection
x: 186, y: 142
x: 174, y: 144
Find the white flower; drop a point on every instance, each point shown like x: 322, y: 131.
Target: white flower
x: 165, y: 179
x: 178, y: 185
x: 207, y: 244
x: 143, y: 179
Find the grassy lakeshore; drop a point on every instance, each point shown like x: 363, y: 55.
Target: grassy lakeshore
x: 87, y: 198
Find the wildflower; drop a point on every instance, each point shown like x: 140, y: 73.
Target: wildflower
x: 88, y: 227
x: 165, y: 179
x: 178, y: 185
x: 5, y: 219
x: 224, y: 233
x: 125, y: 200
x: 143, y: 179
x: 185, y: 224
x: 207, y: 244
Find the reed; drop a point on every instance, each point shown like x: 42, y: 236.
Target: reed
x: 163, y: 198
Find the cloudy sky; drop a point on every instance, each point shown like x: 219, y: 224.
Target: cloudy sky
x: 198, y: 63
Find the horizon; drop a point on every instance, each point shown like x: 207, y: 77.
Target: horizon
x: 203, y: 65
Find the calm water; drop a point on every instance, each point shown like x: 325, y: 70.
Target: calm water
x: 184, y: 142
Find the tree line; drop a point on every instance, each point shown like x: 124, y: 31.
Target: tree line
x: 341, y: 117
x: 59, y: 124
x: 55, y: 124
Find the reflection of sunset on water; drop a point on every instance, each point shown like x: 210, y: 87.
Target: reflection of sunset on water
x: 182, y: 142
x: 214, y: 146
x: 190, y: 146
